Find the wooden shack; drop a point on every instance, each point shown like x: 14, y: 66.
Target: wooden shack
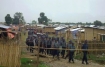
x: 91, y: 32
x: 49, y: 29
x: 61, y: 31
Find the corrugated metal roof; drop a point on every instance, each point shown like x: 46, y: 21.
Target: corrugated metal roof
x: 41, y: 25
x: 4, y: 26
x: 59, y: 28
x: 78, y: 29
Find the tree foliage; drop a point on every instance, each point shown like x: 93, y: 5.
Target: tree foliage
x: 97, y: 23
x: 18, y: 18
x: 34, y: 22
x: 43, y: 19
x: 8, y: 19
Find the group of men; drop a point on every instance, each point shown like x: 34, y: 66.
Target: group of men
x: 56, y: 43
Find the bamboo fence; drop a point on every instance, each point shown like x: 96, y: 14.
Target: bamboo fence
x: 9, y: 53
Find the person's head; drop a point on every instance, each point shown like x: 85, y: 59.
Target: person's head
x: 85, y: 42
x: 70, y: 42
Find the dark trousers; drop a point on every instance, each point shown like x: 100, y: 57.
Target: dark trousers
x: 41, y: 50
x: 84, y: 57
x: 56, y: 52
x: 48, y: 50
x: 63, y: 52
x: 67, y: 55
x: 71, y: 54
x: 31, y: 46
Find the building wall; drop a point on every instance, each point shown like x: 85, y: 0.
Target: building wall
x: 82, y: 36
x: 49, y: 29
x: 89, y: 33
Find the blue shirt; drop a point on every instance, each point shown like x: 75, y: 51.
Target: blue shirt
x: 84, y: 46
x: 56, y: 45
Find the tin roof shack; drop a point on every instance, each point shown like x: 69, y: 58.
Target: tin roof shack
x: 61, y: 31
x: 91, y: 32
x: 49, y: 29
x: 77, y: 33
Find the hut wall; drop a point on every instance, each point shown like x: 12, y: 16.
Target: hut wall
x: 82, y: 37
x: 89, y: 34
x: 9, y: 55
x: 49, y: 29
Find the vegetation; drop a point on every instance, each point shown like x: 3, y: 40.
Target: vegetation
x: 8, y: 19
x: 94, y: 58
x: 97, y: 23
x: 34, y: 22
x: 43, y: 19
x: 26, y: 62
x: 18, y: 19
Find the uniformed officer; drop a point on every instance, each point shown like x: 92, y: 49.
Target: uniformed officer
x: 31, y: 44
x: 49, y: 45
x: 56, y: 51
x: 63, y: 43
x: 68, y: 46
x: 85, y: 46
x: 27, y: 42
x: 71, y: 53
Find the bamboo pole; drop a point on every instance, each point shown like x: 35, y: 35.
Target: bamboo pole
x: 38, y: 53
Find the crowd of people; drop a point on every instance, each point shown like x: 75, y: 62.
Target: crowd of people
x: 54, y: 42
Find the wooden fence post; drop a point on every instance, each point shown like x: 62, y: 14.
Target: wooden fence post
x: 38, y: 52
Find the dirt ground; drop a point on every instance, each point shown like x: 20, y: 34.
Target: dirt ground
x: 60, y: 63
x: 57, y: 63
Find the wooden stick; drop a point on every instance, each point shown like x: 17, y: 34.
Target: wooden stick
x: 38, y: 53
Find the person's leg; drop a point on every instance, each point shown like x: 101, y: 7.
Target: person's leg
x: 54, y: 53
x: 73, y: 57
x: 47, y: 49
x: 50, y: 49
x: 57, y: 54
x: 70, y: 56
x: 67, y: 55
x: 83, y: 58
x: 63, y: 53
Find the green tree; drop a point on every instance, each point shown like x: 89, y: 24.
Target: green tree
x: 43, y: 19
x: 34, y: 22
x: 97, y: 23
x: 8, y: 19
x: 20, y: 16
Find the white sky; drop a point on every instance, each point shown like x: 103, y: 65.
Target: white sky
x: 57, y: 10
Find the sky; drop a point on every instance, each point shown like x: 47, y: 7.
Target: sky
x: 57, y: 10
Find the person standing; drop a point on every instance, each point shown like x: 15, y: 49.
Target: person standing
x: 31, y: 44
x: 71, y: 53
x: 49, y: 45
x: 85, y: 52
x: 27, y: 42
x: 56, y: 51
x: 68, y: 46
x: 63, y: 43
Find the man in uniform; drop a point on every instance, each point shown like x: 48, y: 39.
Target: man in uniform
x: 71, y: 53
x: 49, y: 45
x: 56, y: 51
x: 85, y: 52
x: 63, y: 44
